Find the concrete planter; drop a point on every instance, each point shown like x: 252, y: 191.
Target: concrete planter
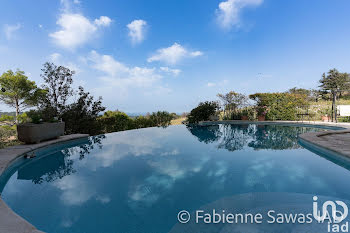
x: 35, y: 133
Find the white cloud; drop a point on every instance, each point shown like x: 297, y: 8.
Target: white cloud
x: 75, y: 28
x: 55, y: 57
x: 173, y: 54
x: 103, y: 21
x: 137, y: 30
x: 228, y: 13
x: 75, y: 190
x: 120, y: 75
x: 222, y: 83
x: 174, y: 72
x: 58, y: 60
x: 10, y: 30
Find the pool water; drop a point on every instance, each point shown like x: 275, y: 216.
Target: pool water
x: 138, y: 181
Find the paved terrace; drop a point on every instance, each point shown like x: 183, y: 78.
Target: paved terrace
x: 333, y: 140
x: 10, y: 222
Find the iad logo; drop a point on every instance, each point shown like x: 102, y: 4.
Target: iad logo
x: 334, y: 218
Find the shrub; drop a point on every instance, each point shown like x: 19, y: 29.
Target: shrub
x: 203, y: 111
x: 35, y: 116
x: 161, y: 118
x: 281, y: 106
x: 142, y: 122
x: 81, y: 116
x: 115, y: 121
x: 6, y: 132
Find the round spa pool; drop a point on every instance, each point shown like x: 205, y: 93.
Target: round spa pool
x: 139, y: 180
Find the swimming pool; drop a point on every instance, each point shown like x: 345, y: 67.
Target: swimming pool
x: 139, y: 180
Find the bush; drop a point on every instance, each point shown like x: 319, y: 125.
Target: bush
x: 203, y: 111
x: 115, y: 121
x: 7, y: 118
x: 81, y: 116
x: 161, y: 118
x: 142, y: 122
x: 35, y: 116
x: 6, y: 132
x: 279, y: 106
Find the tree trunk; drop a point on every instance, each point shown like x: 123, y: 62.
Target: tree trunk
x: 334, y: 111
x: 17, y: 112
x: 335, y: 107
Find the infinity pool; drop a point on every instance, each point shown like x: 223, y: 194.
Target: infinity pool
x: 138, y: 181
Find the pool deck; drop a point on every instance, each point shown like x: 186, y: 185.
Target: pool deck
x: 10, y: 222
x: 334, y: 140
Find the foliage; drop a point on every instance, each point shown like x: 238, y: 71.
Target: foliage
x: 7, y: 118
x: 334, y: 83
x: 19, y: 92
x: 304, y: 93
x: 142, y: 122
x: 262, y: 110
x: 58, y: 81
x: 81, y: 116
x: 161, y: 118
x: 115, y: 121
x: 35, y: 116
x: 281, y: 106
x: 203, y: 111
x: 249, y: 112
x: 232, y: 100
x: 7, y: 136
x: 119, y: 121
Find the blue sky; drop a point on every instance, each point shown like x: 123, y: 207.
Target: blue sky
x: 148, y: 55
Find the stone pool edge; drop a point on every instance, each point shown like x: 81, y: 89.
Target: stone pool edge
x: 9, y: 220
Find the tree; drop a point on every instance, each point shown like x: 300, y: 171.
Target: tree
x: 305, y: 93
x: 58, y: 83
x: 280, y: 106
x: 19, y: 92
x: 161, y: 118
x: 232, y: 100
x: 81, y: 116
x: 335, y: 82
x: 203, y: 111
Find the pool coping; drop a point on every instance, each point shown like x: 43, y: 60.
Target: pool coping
x: 9, y: 220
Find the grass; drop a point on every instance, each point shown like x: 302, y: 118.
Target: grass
x: 178, y: 121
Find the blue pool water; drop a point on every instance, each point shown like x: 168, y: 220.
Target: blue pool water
x: 138, y: 181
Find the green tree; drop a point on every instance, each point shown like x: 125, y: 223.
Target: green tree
x: 20, y: 92
x: 232, y: 100
x: 161, y: 118
x: 81, y: 116
x: 203, y: 111
x: 113, y: 121
x: 305, y: 93
x: 58, y: 83
x: 279, y: 106
x: 335, y: 82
